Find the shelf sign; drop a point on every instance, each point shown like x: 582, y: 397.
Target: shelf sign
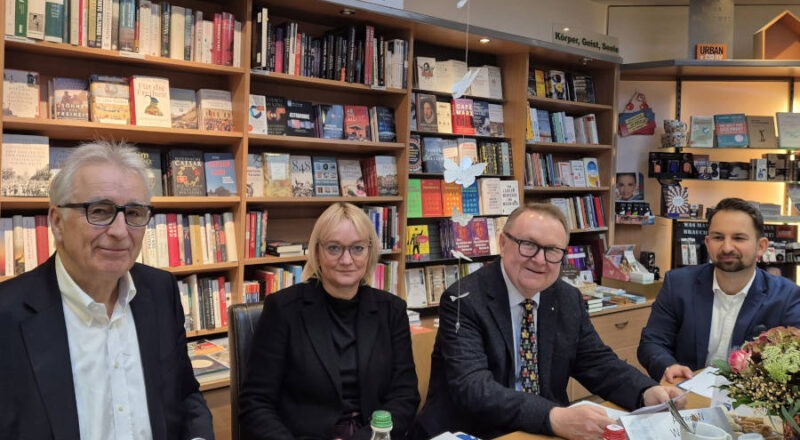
x: 397, y: 4
x: 566, y: 35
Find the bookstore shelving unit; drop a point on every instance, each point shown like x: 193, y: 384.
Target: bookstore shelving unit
x: 740, y: 79
x: 292, y: 218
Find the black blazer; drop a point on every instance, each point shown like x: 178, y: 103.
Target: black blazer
x: 472, y: 370
x: 37, y: 400
x: 293, y: 388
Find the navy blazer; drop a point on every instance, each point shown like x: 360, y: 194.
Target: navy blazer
x: 472, y: 372
x: 292, y: 388
x: 37, y: 400
x: 679, y: 325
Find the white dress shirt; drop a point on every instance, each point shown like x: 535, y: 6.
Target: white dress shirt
x: 106, y: 363
x: 723, y: 319
x: 515, y: 300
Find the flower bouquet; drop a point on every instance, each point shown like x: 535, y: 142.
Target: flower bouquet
x: 765, y: 373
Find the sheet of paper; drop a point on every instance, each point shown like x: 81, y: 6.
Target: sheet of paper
x: 702, y: 383
x: 661, y: 426
x: 612, y: 413
x: 658, y: 408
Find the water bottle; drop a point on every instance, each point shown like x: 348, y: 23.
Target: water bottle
x: 381, y: 425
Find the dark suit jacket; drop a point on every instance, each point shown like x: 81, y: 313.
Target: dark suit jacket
x: 37, y: 400
x: 679, y: 324
x: 293, y: 387
x: 472, y: 372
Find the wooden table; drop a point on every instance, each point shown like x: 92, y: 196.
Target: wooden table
x: 695, y: 401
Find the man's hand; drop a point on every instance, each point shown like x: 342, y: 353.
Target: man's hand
x: 579, y: 422
x: 675, y: 372
x: 660, y: 394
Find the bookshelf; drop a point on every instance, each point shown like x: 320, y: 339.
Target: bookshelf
x: 292, y: 218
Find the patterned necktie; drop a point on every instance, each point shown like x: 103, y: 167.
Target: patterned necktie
x: 528, y: 354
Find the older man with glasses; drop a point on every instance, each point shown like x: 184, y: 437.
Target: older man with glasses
x: 512, y: 335
x: 94, y: 344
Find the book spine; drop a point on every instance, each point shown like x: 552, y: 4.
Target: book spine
x: 166, y: 18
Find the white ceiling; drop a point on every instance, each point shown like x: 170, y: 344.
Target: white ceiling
x: 686, y: 2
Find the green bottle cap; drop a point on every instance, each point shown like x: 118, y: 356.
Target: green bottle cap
x: 381, y: 419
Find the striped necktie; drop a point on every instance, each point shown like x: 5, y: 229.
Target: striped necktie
x: 529, y: 359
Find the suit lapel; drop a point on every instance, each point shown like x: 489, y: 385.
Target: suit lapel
x: 702, y: 310
x: 500, y: 309
x: 45, y: 336
x: 752, y: 302
x: 317, y: 323
x: 143, y: 309
x: 367, y: 325
x: 545, y: 340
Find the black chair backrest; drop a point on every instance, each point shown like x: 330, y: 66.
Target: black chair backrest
x: 242, y: 320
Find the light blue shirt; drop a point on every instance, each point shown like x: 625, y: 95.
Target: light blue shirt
x: 515, y: 300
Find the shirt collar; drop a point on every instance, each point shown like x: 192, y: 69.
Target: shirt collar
x: 84, y: 307
x: 514, y: 297
x: 745, y: 289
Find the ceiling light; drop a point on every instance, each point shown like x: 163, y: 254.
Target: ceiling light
x: 347, y: 11
x: 484, y: 40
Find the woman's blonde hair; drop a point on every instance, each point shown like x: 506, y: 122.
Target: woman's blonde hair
x: 331, y: 218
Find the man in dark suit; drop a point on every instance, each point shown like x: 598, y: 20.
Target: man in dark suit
x: 703, y: 311
x: 93, y: 345
x: 488, y: 379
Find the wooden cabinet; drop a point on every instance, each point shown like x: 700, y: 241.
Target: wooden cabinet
x: 620, y: 329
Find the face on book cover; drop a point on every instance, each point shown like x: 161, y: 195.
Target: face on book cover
x: 94, y: 255
x: 531, y: 275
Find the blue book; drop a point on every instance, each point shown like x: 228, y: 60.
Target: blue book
x: 480, y: 118
x: 331, y: 121
x: 731, y: 130
x: 220, y: 174
x: 470, y: 202
x: 326, y: 176
x: 386, y: 127
x: 545, y: 130
x: 259, y: 233
x: 57, y: 157
x: 432, y: 155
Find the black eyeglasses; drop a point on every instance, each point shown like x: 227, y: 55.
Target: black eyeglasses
x: 529, y: 249
x: 335, y: 250
x: 104, y: 212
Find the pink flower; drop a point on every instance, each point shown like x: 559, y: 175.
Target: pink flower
x: 738, y: 360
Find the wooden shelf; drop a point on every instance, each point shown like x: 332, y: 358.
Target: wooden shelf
x: 320, y: 83
x: 215, y: 331
x: 274, y: 260
x: 588, y: 230
x: 441, y: 176
x: 163, y: 203
x: 83, y: 130
x: 24, y: 203
x: 319, y: 144
x: 322, y: 201
x: 201, y: 268
x: 556, y: 147
x: 564, y: 189
x: 449, y: 96
x: 453, y: 260
x: 575, y: 107
x: 46, y: 48
x: 730, y: 70
x: 477, y: 137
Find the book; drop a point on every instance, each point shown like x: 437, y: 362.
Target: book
x: 386, y: 131
x: 302, y: 176
x: 444, y: 117
x: 186, y: 173
x: 431, y: 195
x: 326, y: 179
x: 277, y: 175
x: 331, y: 121
x: 69, y: 99
x: 496, y: 121
x: 418, y: 244
x: 109, y: 100
x: 255, y: 175
x: 730, y: 130
x: 426, y: 113
x: 701, y: 133
x: 426, y: 71
x: 380, y: 173
x: 356, y: 123
x: 592, y: 171
x: 257, y: 115
x: 152, y: 160
x: 351, y: 181
x: 480, y: 118
x: 183, y: 108
x: 150, y: 103
x: 761, y: 131
x: 57, y: 157
x: 509, y: 196
x: 215, y: 110
x: 414, y: 154
x: 788, y: 129
x: 26, y: 165
x: 416, y: 294
x: 299, y: 118
x: 220, y: 174
x: 462, y: 116
x: 276, y: 115
x: 433, y: 155
x: 20, y: 93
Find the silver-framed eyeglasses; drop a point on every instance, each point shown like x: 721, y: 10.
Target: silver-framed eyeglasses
x: 336, y: 250
x: 104, y: 212
x: 529, y: 249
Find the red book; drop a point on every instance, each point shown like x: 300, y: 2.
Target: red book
x: 173, y: 241
x: 227, y: 39
x: 598, y: 212
x: 356, y: 123
x: 431, y: 190
x: 219, y: 232
x: 462, y: 116
x: 42, y: 240
x: 251, y: 226
x: 216, y: 42
x: 223, y: 303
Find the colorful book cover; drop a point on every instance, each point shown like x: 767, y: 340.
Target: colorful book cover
x: 479, y: 230
x: 215, y: 110
x: 356, y: 123
x: 20, y: 93
x: 257, y: 115
x: 277, y: 175
x: 326, y: 179
x: 386, y: 127
x: 386, y: 170
x: 731, y: 130
x: 418, y: 244
x: 462, y: 116
x: 302, y: 176
x: 300, y: 118
x: 70, y: 99
x: 701, y: 133
x: 150, y: 103
x: 426, y: 113
x: 470, y: 200
x: 110, y: 100
x: 331, y: 120
x: 26, y: 165
x: 220, y: 174
x: 414, y: 154
x: 152, y: 160
x: 183, y: 108
x: 351, y: 181
x: 414, y: 199
x: 276, y: 115
x: 186, y: 173
x: 480, y: 118
x: 431, y: 190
